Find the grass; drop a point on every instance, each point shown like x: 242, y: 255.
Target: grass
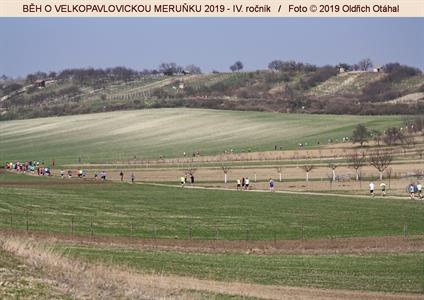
x: 166, y: 212
x: 388, y: 272
x: 143, y: 134
x: 18, y: 281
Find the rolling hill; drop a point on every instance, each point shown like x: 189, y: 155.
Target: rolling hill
x: 324, y: 90
x: 151, y: 133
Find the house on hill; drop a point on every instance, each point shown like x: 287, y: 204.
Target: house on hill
x: 40, y: 83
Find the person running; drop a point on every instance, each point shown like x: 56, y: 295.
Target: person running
x: 383, y: 188
x: 243, y: 183
x: 182, y: 180
x: 132, y: 177
x: 191, y: 178
x: 372, y: 188
x: 62, y: 173
x: 419, y: 190
x: 411, y: 191
x: 121, y: 174
x: 271, y: 185
x: 246, y: 184
x: 238, y: 184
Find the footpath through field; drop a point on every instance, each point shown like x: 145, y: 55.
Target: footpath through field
x: 278, y: 192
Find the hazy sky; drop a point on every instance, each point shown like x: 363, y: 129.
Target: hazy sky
x: 53, y: 44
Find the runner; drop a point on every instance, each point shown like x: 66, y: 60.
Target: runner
x: 383, y: 188
x: 182, y: 180
x: 121, y: 174
x: 243, y: 183
x: 132, y: 177
x: 372, y: 187
x: 271, y: 185
x: 411, y: 189
x: 238, y: 184
x: 419, y: 188
x: 62, y: 173
x: 246, y: 184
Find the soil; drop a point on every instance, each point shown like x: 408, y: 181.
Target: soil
x: 324, y: 246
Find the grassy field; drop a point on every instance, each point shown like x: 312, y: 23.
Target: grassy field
x: 166, y: 212
x: 389, y: 272
x: 19, y: 281
x: 169, y: 132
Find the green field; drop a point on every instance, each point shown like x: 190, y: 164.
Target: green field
x: 167, y: 212
x: 388, y: 272
x: 169, y: 132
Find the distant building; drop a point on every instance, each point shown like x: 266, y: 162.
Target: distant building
x: 377, y: 69
x: 40, y: 83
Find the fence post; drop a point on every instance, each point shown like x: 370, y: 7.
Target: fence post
x: 405, y: 230
x: 155, y: 233
x: 216, y: 233
x: 11, y: 221
x: 91, y: 227
x: 72, y: 225
x: 247, y: 234
x: 190, y: 232
x: 302, y: 228
x: 131, y: 225
x: 27, y: 222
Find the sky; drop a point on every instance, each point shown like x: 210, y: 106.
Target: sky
x: 54, y: 44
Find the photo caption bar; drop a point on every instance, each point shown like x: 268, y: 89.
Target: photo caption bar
x: 212, y: 8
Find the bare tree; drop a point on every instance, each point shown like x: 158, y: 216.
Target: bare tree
x: 333, y: 168
x: 193, y: 69
x: 279, y: 171
x: 226, y: 170
x: 381, y: 160
x: 307, y: 167
x: 356, y: 160
x: 365, y: 64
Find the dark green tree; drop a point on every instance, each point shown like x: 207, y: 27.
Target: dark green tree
x: 360, y: 134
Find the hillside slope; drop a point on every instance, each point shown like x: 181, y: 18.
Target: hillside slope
x: 320, y: 91
x: 152, y: 133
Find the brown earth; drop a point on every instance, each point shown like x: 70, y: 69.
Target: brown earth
x: 96, y: 281
x: 324, y: 246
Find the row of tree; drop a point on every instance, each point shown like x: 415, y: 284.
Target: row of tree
x: 391, y: 136
x: 379, y: 158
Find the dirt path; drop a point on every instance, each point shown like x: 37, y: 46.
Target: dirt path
x: 105, y: 282
x: 398, y: 244
x: 279, y: 192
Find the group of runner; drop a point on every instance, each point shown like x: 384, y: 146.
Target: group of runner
x: 243, y: 183
x: 121, y: 176
x: 414, y: 190
x: 184, y: 179
x: 81, y: 173
x: 29, y: 167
